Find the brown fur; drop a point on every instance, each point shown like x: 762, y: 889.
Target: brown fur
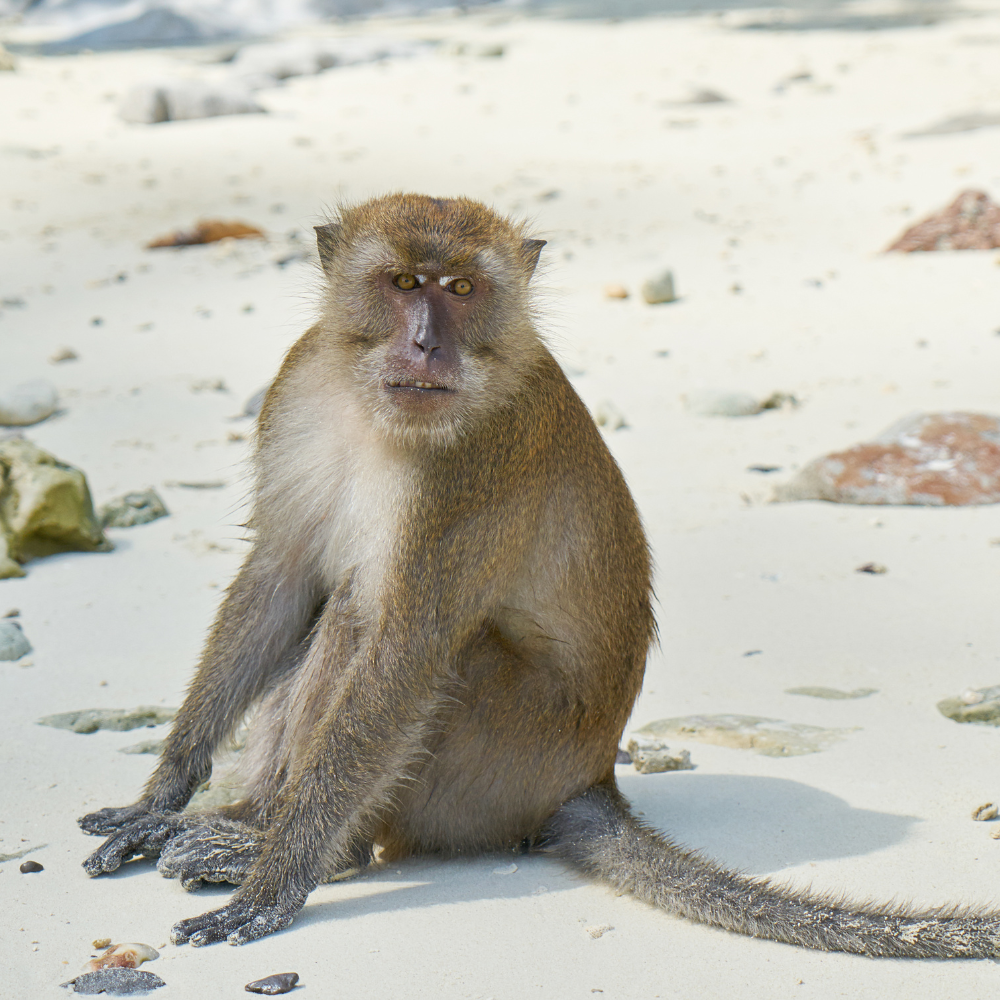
x: 444, y: 618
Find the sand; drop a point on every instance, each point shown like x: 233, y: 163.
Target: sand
x: 788, y: 191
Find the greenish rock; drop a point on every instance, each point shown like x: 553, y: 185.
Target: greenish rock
x: 118, y: 720
x: 214, y: 795
x: 832, y: 694
x: 770, y: 737
x: 131, y: 509
x: 13, y: 642
x: 45, y: 507
x: 981, y: 705
x: 145, y: 746
x: 651, y: 755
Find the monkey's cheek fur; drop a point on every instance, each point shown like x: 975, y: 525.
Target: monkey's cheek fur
x: 238, y: 923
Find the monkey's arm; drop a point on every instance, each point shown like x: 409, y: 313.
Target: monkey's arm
x: 257, y: 635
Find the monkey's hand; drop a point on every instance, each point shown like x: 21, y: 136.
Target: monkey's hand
x: 144, y: 834
x: 244, y: 919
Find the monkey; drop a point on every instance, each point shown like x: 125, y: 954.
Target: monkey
x: 442, y: 623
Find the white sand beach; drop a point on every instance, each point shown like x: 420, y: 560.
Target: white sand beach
x: 773, y: 209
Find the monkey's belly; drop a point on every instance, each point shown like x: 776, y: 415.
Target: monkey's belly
x: 514, y: 749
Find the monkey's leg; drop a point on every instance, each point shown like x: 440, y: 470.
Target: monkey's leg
x: 258, y: 635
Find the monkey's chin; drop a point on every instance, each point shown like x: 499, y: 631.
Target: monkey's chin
x: 418, y: 422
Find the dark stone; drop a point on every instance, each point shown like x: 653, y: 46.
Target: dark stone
x: 117, y: 982
x: 28, y: 867
x: 281, y: 982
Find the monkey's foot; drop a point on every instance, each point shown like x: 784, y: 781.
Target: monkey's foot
x: 210, y: 849
x: 241, y: 921
x: 142, y: 837
x: 105, y: 822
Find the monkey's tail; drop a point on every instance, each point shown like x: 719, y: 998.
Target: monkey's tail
x: 598, y: 835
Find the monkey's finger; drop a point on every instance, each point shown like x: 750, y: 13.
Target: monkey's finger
x: 143, y: 837
x: 184, y: 930
x: 107, y: 821
x: 273, y: 918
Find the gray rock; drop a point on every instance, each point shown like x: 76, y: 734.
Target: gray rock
x: 151, y: 29
x: 118, y: 720
x: 721, y: 403
x: 13, y: 642
x: 27, y: 403
x: 179, y: 100
x: 252, y: 407
x: 831, y: 694
x: 117, y: 982
x: 144, y: 746
x: 770, y: 737
x: 131, y: 509
x: 659, y: 288
x: 650, y: 755
x: 981, y: 705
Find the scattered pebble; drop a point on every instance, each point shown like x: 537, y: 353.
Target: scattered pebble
x: 63, y: 354
x: 721, y: 403
x: 980, y: 705
x: 607, y: 415
x: 100, y: 942
x: 178, y: 100
x: 29, y: 867
x: 13, y: 642
x: 832, y: 694
x: 131, y: 509
x: 764, y: 469
x: 931, y: 459
x: 281, y: 982
x: 598, y: 930
x: 659, y: 289
x: 192, y: 484
x: 116, y: 982
x: 876, y: 569
x: 47, y: 507
x: 12, y: 613
x: 123, y: 956
x: 970, y: 222
x: 207, y: 231
x: 985, y: 812
x: 770, y: 737
x: 615, y: 292
x: 27, y: 403
x: 650, y: 755
x: 117, y: 720
x: 505, y: 869
x: 780, y: 401
x: 209, y: 385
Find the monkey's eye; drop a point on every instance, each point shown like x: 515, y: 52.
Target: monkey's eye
x: 461, y: 286
x: 405, y: 281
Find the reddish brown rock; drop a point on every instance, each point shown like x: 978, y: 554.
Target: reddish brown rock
x: 931, y: 460
x: 207, y: 231
x: 970, y: 222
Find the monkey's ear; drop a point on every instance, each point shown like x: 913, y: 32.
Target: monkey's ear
x: 532, y: 248
x: 327, y: 239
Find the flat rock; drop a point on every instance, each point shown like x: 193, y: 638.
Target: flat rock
x: 45, y: 507
x: 933, y: 460
x: 980, y: 705
x: 650, y: 755
x: 970, y: 222
x: 27, y: 403
x: 131, y: 509
x: 119, y: 720
x: 180, y: 100
x: 832, y: 694
x: 280, y: 982
x: 770, y: 737
x: 115, y: 982
x: 13, y: 642
x: 659, y: 288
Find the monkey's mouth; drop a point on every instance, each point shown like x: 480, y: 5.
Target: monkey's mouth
x: 412, y: 383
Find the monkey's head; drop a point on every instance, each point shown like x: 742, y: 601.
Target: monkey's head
x: 428, y: 302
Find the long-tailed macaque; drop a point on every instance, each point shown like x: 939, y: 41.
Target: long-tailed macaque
x: 443, y: 622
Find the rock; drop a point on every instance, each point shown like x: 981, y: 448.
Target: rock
x: 597, y: 930
x: 874, y: 568
x: 150, y: 29
x: 115, y: 982
x: 981, y: 814
x: 7, y: 62
x: 63, y: 354
x: 831, y: 694
x: 212, y: 795
x: 195, y: 484
x: 770, y: 737
x: 144, y: 746
x: 101, y: 942
x: 623, y: 757
x: 180, y: 100
x: 705, y: 95
x: 650, y: 755
x: 30, y: 867
x: 131, y: 509
x: 117, y: 720
x: 281, y: 982
x: 970, y: 222
x: 968, y: 122
x: 659, y: 288
x: 45, y: 507
x: 615, y: 292
x: 980, y: 705
x: 207, y: 231
x: 252, y: 407
x: 27, y: 403
x: 505, y: 869
x: 936, y: 460
x: 123, y: 956
x: 13, y: 642
x: 721, y: 403
x: 607, y: 415
x: 779, y: 401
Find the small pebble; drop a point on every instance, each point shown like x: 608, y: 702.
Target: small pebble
x: 615, y: 292
x: 876, y: 569
x: 721, y: 403
x: 505, y: 869
x: 623, y: 757
x: 100, y: 942
x: 281, y: 982
x: 607, y: 415
x: 13, y: 613
x: 980, y: 814
x: 27, y: 403
x: 598, y: 930
x: 127, y: 511
x: 13, y: 642
x: 659, y: 289
x: 28, y: 867
x: 63, y: 354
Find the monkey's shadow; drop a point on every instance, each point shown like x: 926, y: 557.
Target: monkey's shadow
x: 756, y: 824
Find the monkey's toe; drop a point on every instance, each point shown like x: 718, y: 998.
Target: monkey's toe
x: 238, y: 923
x: 143, y: 837
x: 210, y: 850
x: 107, y: 821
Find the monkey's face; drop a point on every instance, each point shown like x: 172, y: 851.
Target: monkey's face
x: 430, y: 300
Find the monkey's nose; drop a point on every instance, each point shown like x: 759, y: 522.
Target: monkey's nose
x: 426, y: 342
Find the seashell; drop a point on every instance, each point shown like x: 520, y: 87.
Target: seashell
x: 123, y: 956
